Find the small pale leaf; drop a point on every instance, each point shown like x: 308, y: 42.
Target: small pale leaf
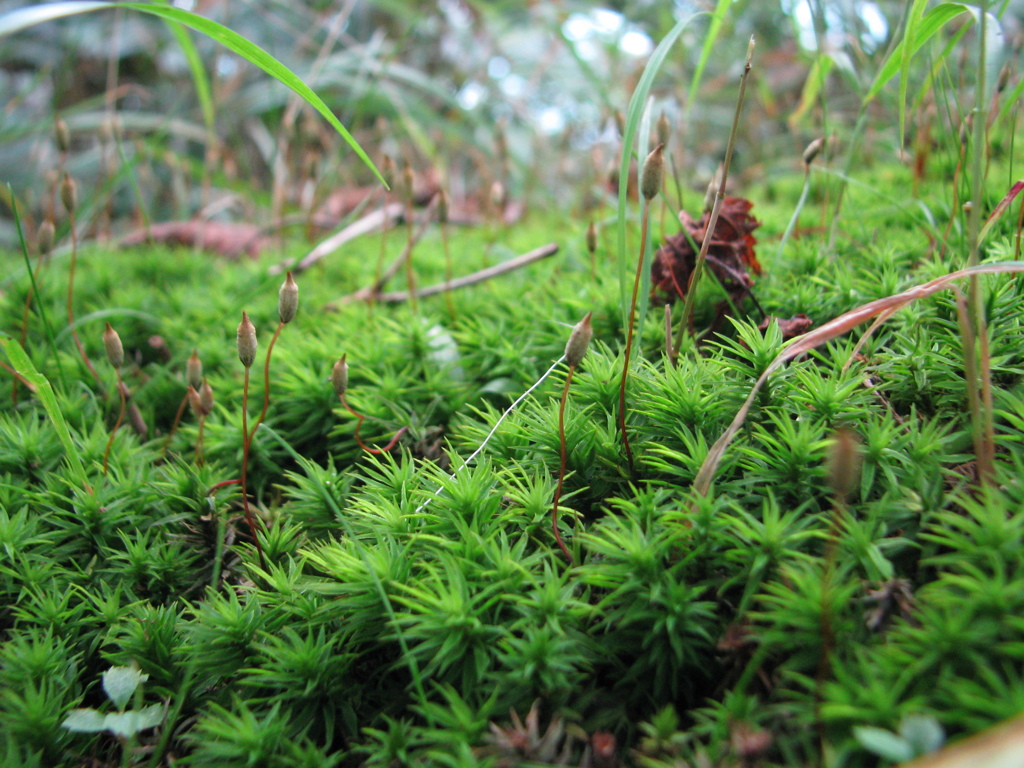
x: 131, y: 722
x: 120, y: 683
x: 84, y: 721
x: 883, y: 743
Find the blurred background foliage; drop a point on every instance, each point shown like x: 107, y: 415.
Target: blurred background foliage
x: 520, y: 93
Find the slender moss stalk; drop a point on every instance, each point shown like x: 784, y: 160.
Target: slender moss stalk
x: 650, y: 184
x: 193, y: 381
x: 115, y: 355
x: 246, y: 343
x: 487, y: 438
x: 961, y: 156
x: 218, y: 551
x: 442, y: 220
x: 201, y: 401
x: 287, y: 307
x: 388, y: 171
x: 983, y: 427
x: 339, y: 380
x: 410, y: 272
x: 592, y: 248
x: 44, y: 243
x: 809, y: 154
x: 575, y: 349
x: 69, y: 196
x: 561, y: 465
x: 688, y: 300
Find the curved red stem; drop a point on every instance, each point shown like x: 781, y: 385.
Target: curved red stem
x: 245, y: 465
x: 359, y: 423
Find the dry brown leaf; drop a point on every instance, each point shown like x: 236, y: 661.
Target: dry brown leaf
x: 730, y: 252
x: 224, y: 238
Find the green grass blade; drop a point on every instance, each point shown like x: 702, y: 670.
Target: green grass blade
x: 812, y: 87
x: 23, y: 18
x: 195, y: 65
x: 929, y: 25
x: 21, y: 363
x: 32, y: 278
x: 717, y: 18
x: 635, y: 112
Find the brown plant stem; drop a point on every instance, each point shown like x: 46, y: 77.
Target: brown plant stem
x: 1020, y: 225
x: 359, y: 423
x: 975, y: 397
x: 953, y: 209
x: 174, y: 426
x: 245, y: 466
x: 688, y: 300
x: 410, y: 273
x: 200, y: 458
x: 481, y: 275
x: 447, y: 272
x: 629, y: 338
x: 266, y: 382
x: 71, y: 294
x: 561, y: 465
x: 385, y: 226
x: 117, y: 424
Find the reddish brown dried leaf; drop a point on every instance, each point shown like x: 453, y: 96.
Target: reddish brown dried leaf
x: 730, y: 252
x: 791, y: 328
x: 224, y: 238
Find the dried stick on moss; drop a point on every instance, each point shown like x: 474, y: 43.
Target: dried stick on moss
x: 368, y: 223
x: 465, y: 281
x: 374, y: 291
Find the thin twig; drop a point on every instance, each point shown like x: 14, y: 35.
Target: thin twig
x: 363, y: 226
x: 460, y: 282
x: 373, y: 292
x: 688, y: 300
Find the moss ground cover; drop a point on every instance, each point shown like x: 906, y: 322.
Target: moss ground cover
x: 405, y: 608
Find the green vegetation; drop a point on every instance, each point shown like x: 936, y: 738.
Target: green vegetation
x: 347, y: 558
